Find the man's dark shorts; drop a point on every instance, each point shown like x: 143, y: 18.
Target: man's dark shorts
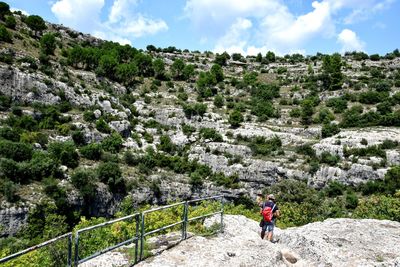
x: 268, y: 227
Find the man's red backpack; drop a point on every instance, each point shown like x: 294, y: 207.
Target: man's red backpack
x: 267, y: 213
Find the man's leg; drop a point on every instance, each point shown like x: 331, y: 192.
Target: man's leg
x: 270, y: 232
x: 263, y: 232
x: 270, y: 235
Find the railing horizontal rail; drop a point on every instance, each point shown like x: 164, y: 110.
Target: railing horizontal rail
x: 163, y: 228
x: 126, y: 242
x: 106, y: 223
x: 204, y: 216
x: 204, y: 198
x: 25, y: 251
x: 163, y: 207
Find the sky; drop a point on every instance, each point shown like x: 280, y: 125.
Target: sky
x: 236, y: 26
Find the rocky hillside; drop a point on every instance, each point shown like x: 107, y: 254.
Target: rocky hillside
x: 334, y: 242
x: 89, y: 126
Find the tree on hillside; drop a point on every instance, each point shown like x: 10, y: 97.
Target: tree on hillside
x: 217, y: 72
x: 5, y: 35
x: 177, y: 69
x: 221, y: 59
x: 4, y: 10
x: 270, y: 57
x: 125, y: 73
x: 332, y: 77
x: 188, y: 72
x: 48, y: 43
x: 235, y: 118
x: 36, y: 23
x: 159, y: 68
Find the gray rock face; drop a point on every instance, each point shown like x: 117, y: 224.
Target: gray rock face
x: 334, y: 242
x: 12, y: 219
x: 123, y: 127
x: 357, y: 174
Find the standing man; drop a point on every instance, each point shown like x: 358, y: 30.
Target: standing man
x: 270, y: 212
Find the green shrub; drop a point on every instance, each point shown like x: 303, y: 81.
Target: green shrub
x: 166, y: 144
x: 88, y: 116
x: 338, y: 104
x: 5, y: 102
x: 79, y: 138
x: 334, y: 189
x: 92, y: 151
x: 48, y: 43
x: 111, y: 174
x: 226, y: 181
x: 194, y: 109
x: 295, y: 113
x: 196, y: 180
x: 11, y: 170
x: 261, y: 146
x: 9, y: 190
x: 325, y: 116
x: 219, y: 101
x: 15, y: 150
x: 102, y: 126
x: 351, y: 200
x: 235, y: 118
x: 84, y: 181
x: 10, y: 22
x: 211, y: 134
x: 65, y: 153
x: 10, y: 134
x: 43, y: 165
x: 130, y: 158
x: 5, y: 35
x: 36, y: 23
x: 329, y: 159
x: 378, y: 207
x: 34, y: 137
x: 306, y: 150
x: 112, y: 143
x: 188, y: 129
x: 329, y: 129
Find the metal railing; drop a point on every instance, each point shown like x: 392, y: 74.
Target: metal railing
x: 47, y: 243
x: 184, y: 222
x: 134, y: 239
x: 140, y: 233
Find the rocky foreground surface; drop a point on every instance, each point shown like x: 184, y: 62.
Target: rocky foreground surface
x: 334, y: 242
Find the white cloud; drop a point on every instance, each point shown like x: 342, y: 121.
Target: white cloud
x: 121, y: 9
x: 21, y: 10
x: 233, y: 41
x: 82, y: 15
x: 274, y: 26
x: 122, y: 25
x: 366, y: 9
x: 350, y: 41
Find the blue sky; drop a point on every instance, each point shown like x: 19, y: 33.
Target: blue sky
x: 244, y: 26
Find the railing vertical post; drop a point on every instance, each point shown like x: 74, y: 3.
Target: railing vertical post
x: 76, y: 249
x: 142, y: 237
x: 69, y: 260
x: 137, y: 217
x: 185, y: 221
x: 222, y: 214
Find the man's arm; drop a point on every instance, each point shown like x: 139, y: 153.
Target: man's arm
x: 277, y: 214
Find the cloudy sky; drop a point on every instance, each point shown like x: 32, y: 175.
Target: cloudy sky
x: 245, y: 26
